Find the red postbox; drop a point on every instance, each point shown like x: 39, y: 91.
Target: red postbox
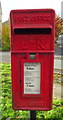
x: 32, y: 58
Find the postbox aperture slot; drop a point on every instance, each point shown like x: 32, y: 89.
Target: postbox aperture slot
x: 23, y: 31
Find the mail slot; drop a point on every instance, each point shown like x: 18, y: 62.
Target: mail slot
x: 32, y: 58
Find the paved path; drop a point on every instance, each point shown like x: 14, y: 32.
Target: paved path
x: 5, y: 57
x: 58, y: 63
x: 58, y: 90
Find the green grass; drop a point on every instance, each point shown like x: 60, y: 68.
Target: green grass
x: 6, y: 110
x: 58, y: 77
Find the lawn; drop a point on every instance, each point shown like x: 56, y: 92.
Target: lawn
x: 6, y: 110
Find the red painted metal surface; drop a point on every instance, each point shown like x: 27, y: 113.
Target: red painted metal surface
x: 32, y: 33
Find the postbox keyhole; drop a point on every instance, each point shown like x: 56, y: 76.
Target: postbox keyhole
x: 20, y: 81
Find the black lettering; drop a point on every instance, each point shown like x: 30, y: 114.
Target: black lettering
x: 30, y: 68
x: 31, y: 85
